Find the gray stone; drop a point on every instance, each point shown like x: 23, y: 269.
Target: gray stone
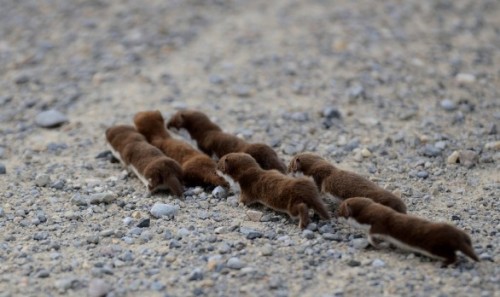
x: 164, y: 210
x: 144, y: 223
x: 79, y: 200
x: 42, y: 180
x: 42, y: 273
x: 219, y: 193
x: 50, y: 119
x: 102, y: 198
x: 422, y: 174
x: 3, y: 170
x: 254, y: 234
x: 98, y: 288
x: 468, y: 158
x: 242, y: 90
x: 157, y: 286
x: 378, y: 263
x: 356, y: 91
x: 64, y: 284
x: 359, y: 243
x: 486, y: 257
x: 196, y: 275
x: 308, y: 234
x: 331, y: 113
x: 235, y: 263
x: 448, y: 105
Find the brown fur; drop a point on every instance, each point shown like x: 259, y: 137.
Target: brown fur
x: 198, y: 168
x: 341, y: 183
x: 133, y: 150
x: 273, y: 189
x: 212, y: 140
x: 438, y: 239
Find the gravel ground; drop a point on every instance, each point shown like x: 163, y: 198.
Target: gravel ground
x: 398, y: 91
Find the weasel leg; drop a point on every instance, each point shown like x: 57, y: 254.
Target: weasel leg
x: 302, y: 212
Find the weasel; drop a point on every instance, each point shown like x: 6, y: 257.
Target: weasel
x: 197, y: 168
x: 341, y: 183
x: 435, y: 240
x: 212, y: 140
x: 151, y: 166
x: 272, y: 188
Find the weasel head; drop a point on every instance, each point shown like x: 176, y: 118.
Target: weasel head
x: 234, y: 163
x: 303, y: 162
x: 149, y: 122
x: 352, y: 207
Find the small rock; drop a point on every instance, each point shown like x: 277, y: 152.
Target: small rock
x: 235, y: 263
x: 254, y: 215
x: 64, y: 284
x: 366, y: 153
x: 102, y: 198
x: 42, y: 180
x: 494, y: 145
x: 331, y: 113
x: 144, y: 223
x: 104, y: 155
x: 43, y: 273
x: 93, y: 239
x: 127, y: 221
x: 453, y: 158
x: 359, y: 243
x: 160, y: 209
x: 378, y: 263
x: 22, y: 79
x: 3, y: 170
x: 465, y: 78
x: 356, y: 92
x: 422, y: 174
x: 485, y: 257
x: 254, y: 234
x: 242, y: 90
x: 468, y: 158
x: 79, y: 200
x: 136, y: 215
x: 219, y: 193
x: 353, y: 263
x: 98, y: 288
x: 50, y: 119
x: 308, y: 234
x: 196, y: 275
x: 266, y: 250
x: 448, y: 105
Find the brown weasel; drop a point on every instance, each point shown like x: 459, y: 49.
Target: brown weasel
x: 435, y: 240
x: 341, y: 183
x: 197, y: 168
x: 272, y: 188
x: 212, y: 140
x: 150, y: 165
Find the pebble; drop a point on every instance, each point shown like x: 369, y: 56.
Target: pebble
x: 64, y: 284
x: 102, y: 198
x: 330, y: 112
x: 254, y: 215
x: 422, y: 174
x: 42, y: 180
x: 79, y: 200
x: 254, y: 234
x: 430, y: 150
x: 353, y: 263
x: 127, y: 221
x: 160, y: 210
x: 242, y: 90
x: 494, y: 145
x: 356, y: 92
x: 465, y: 78
x: 266, y: 250
x: 359, y: 243
x: 308, y: 234
x: 42, y: 273
x: 50, y: 118
x: 196, y: 275
x: 235, y: 263
x: 485, y: 257
x: 366, y: 153
x: 453, y: 158
x: 98, y: 288
x: 468, y: 158
x: 378, y: 263
x: 448, y: 105
x: 219, y: 192
x: 3, y: 170
x: 158, y: 286
x: 144, y: 223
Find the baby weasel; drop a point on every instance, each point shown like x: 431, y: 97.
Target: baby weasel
x: 341, y: 183
x: 198, y: 168
x: 151, y: 166
x: 272, y: 188
x: 211, y: 140
x: 435, y: 240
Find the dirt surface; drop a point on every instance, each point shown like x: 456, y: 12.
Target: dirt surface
x: 394, y: 90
